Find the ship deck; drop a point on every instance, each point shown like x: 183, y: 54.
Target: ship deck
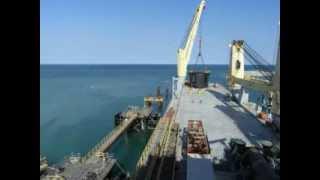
x: 222, y: 119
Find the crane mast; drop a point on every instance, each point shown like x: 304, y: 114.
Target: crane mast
x: 238, y: 77
x: 184, y: 52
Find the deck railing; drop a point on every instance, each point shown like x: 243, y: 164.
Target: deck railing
x: 153, y: 147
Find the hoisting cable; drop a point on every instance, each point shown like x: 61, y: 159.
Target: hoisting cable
x: 258, y: 62
x: 199, y: 56
x: 256, y: 54
x: 264, y: 66
x: 276, y: 44
x: 264, y: 74
x: 257, y: 65
x: 258, y: 59
x: 185, y: 38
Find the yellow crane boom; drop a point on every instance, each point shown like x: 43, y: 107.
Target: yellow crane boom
x: 184, y: 52
x: 237, y: 75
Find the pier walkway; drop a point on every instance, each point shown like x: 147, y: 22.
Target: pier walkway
x: 131, y: 115
x: 96, y: 163
x: 99, y: 167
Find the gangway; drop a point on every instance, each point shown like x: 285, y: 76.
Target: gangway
x: 131, y: 115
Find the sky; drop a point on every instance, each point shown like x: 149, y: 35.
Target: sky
x: 151, y: 31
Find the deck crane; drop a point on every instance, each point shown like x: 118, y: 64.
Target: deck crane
x: 238, y: 78
x: 184, y: 52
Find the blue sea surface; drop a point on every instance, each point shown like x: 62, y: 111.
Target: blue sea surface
x: 78, y: 104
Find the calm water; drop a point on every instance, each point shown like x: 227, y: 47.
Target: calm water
x: 78, y: 103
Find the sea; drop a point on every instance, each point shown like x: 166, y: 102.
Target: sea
x: 78, y: 104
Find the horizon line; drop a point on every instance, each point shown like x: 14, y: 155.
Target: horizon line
x: 112, y: 64
x: 127, y: 64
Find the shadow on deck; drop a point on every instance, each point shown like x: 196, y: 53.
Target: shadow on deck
x: 245, y: 121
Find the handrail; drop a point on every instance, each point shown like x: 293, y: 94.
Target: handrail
x: 105, y: 139
x: 162, y: 130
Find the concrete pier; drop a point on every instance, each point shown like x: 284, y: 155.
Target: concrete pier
x: 131, y: 116
x: 96, y: 163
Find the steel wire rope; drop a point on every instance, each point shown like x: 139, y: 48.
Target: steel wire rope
x: 262, y: 65
x: 266, y: 66
x: 251, y: 60
x: 187, y: 32
x: 263, y: 73
x: 246, y: 45
x: 200, y: 43
x: 276, y: 44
